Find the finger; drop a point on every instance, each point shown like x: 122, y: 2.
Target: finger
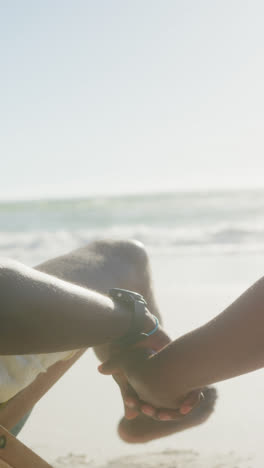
x: 131, y: 404
x: 129, y: 355
x: 168, y: 415
x: 109, y: 367
x: 114, y: 364
x: 130, y: 401
x: 192, y: 400
x: 129, y: 396
x: 148, y: 410
x: 130, y: 413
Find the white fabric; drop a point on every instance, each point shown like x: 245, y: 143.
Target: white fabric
x: 17, y: 372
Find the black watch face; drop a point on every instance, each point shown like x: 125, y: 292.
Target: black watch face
x: 125, y: 295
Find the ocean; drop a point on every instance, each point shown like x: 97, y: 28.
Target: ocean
x: 183, y: 223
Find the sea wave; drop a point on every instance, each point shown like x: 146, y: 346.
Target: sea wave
x: 35, y: 246
x: 193, y: 223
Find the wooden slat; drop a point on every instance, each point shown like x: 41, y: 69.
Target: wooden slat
x: 17, y: 455
x: 20, y: 404
x: 4, y: 464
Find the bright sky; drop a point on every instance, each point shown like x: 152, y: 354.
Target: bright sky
x: 108, y: 96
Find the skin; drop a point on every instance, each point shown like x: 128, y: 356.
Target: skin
x: 125, y: 264
x: 144, y: 429
x: 99, y: 266
x: 199, y: 357
x: 38, y: 304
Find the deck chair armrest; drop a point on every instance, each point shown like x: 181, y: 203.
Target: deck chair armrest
x: 20, y: 404
x: 14, y: 454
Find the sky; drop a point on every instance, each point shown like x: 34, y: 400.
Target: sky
x: 130, y: 96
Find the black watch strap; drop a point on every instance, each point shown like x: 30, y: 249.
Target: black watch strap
x: 137, y: 305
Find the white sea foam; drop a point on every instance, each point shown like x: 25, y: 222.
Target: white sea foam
x: 175, y: 223
x: 35, y: 246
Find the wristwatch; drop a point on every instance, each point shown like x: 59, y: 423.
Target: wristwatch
x: 138, y: 306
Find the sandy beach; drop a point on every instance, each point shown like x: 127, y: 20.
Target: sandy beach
x: 74, y: 425
x: 168, y: 458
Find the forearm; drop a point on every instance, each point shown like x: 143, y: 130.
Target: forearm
x: 40, y: 313
x: 230, y: 345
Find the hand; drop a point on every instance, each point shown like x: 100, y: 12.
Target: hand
x: 156, y: 342
x: 128, y: 368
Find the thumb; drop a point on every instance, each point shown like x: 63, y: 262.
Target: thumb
x: 112, y: 366
x: 128, y: 357
x: 191, y: 400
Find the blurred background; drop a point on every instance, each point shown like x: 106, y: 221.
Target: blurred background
x: 138, y: 119
x: 156, y: 104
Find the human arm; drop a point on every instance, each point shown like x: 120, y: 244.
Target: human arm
x: 229, y: 345
x: 40, y: 313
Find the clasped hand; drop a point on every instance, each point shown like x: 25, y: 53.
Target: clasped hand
x: 139, y: 394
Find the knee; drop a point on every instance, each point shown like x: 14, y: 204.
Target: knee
x: 133, y: 250
x: 125, y: 261
x: 129, y: 251
x: 133, y: 261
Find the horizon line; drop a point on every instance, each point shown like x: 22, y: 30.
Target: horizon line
x: 129, y: 194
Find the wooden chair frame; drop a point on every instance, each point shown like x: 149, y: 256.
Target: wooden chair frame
x: 14, y: 454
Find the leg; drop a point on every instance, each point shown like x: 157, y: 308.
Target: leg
x: 105, y: 264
